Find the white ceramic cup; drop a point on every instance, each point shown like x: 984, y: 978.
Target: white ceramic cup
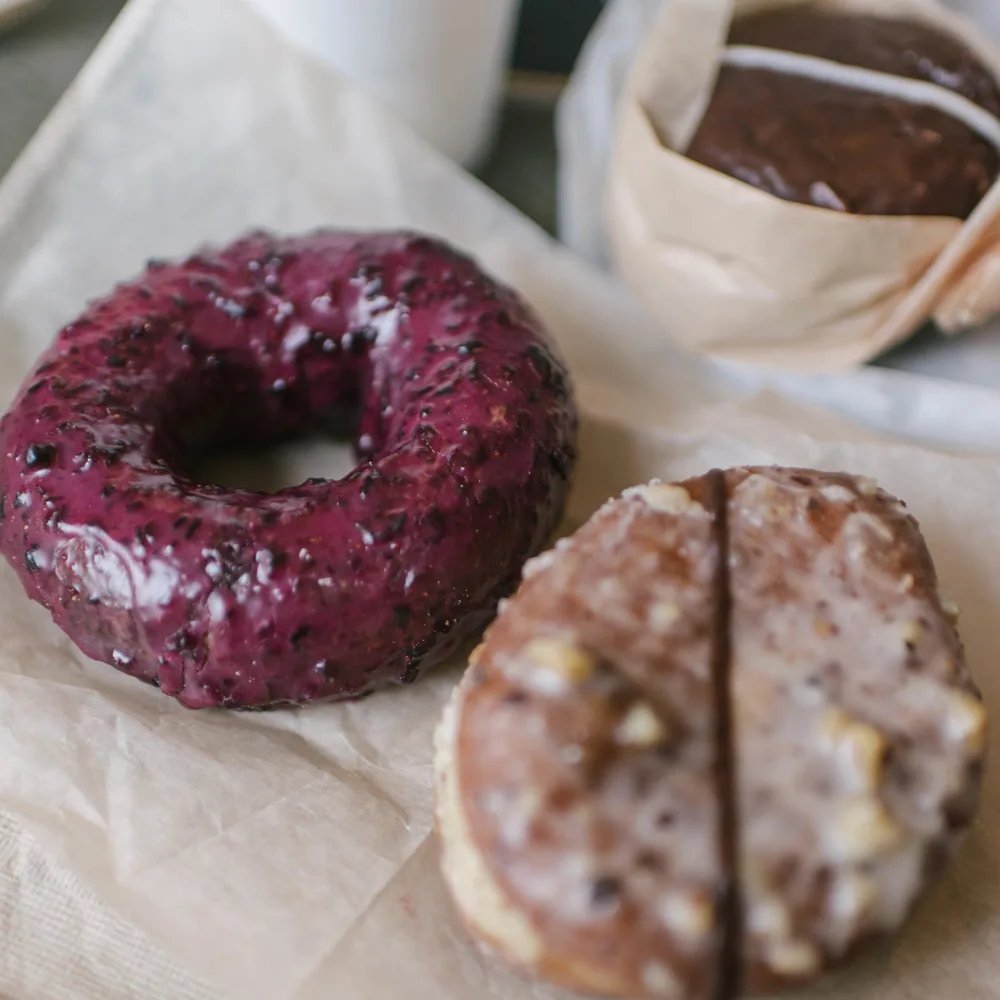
x: 439, y: 64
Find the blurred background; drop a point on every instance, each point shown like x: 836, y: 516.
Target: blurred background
x: 480, y: 79
x: 46, y: 42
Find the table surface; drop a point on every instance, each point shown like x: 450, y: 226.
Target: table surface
x: 39, y: 59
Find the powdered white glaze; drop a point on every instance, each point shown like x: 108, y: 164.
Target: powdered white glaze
x: 843, y: 678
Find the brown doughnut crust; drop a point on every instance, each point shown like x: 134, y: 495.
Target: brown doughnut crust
x: 578, y: 783
x: 812, y: 142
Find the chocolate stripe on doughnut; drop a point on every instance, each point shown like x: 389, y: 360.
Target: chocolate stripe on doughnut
x: 856, y: 78
x: 729, y: 911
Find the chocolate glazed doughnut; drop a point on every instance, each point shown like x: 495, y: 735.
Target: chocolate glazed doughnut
x: 719, y: 739
x: 818, y: 143
x: 460, y: 410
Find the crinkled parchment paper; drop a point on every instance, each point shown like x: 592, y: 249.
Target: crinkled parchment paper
x: 151, y: 852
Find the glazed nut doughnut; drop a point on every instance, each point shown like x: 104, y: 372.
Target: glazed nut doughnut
x: 719, y: 739
x: 460, y: 410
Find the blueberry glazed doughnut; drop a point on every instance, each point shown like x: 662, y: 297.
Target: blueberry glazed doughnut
x: 460, y: 409
x: 718, y: 740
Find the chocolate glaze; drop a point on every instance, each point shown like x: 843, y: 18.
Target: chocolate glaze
x: 815, y: 143
x: 729, y: 972
x: 455, y: 398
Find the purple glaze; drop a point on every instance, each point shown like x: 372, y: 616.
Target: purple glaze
x: 326, y: 590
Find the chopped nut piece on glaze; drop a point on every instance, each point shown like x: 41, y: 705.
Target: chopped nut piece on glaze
x: 520, y: 813
x: 769, y: 918
x: 757, y: 879
x: 838, y: 493
x: 661, y: 982
x: 642, y: 727
x: 823, y: 628
x: 965, y: 721
x: 665, y: 497
x: 690, y: 915
x: 794, y: 959
x: 853, y: 897
x: 663, y: 616
x: 610, y: 589
x: 861, y: 747
x: 551, y: 663
x: 912, y: 633
x: 864, y: 830
x: 877, y: 526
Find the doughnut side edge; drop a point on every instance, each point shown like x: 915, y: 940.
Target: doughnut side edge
x: 498, y: 924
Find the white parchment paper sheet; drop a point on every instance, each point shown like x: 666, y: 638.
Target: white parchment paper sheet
x: 147, y: 851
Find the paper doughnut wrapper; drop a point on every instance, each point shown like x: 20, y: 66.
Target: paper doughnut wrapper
x: 737, y: 273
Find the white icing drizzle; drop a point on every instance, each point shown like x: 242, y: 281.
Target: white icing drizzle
x: 825, y: 70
